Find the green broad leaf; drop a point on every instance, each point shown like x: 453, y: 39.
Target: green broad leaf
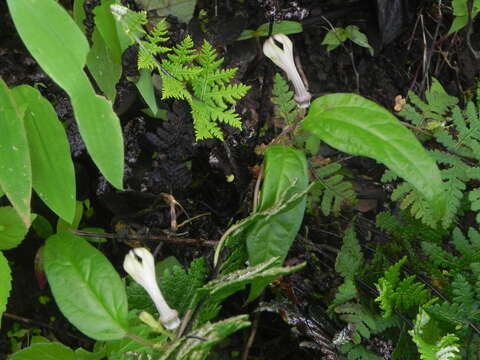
x: 1, y: 193
x: 105, y: 68
x: 82, y: 354
x: 219, y: 289
x: 12, y: 228
x: 53, y: 174
x: 98, y: 124
x: 359, y: 126
x: 105, y: 57
x: 359, y: 38
x: 146, y: 89
x: 79, y: 14
x: 15, y: 166
x: 107, y: 27
x: 86, y: 287
x: 460, y: 12
x: 5, y: 284
x: 44, y: 351
x: 286, y: 174
x: 334, y: 38
x: 283, y: 27
x: 182, y: 9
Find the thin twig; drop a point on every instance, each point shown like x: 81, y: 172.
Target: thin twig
x: 251, y: 336
x: 167, y: 239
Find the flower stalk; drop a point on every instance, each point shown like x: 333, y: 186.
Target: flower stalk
x: 283, y: 58
x: 140, y: 265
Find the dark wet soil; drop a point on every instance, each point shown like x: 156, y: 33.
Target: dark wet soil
x: 162, y: 157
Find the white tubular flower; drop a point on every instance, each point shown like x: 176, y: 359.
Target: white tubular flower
x: 283, y: 58
x: 143, y: 272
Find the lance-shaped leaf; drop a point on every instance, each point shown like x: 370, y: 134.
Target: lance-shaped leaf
x: 15, y: 168
x: 53, y: 175
x: 60, y: 48
x: 359, y: 126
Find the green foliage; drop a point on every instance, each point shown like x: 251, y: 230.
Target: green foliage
x: 51, y: 46
x: 179, y: 286
x: 362, y: 322
x: 14, y: 155
x: 197, y: 344
x: 86, y: 287
x: 358, y: 351
x: 350, y: 258
x: 285, y: 106
x: 460, y: 13
x: 396, y: 294
x: 219, y: 289
x: 431, y: 343
x: 5, y: 283
x: 457, y: 153
x: 358, y: 126
x: 330, y: 192
x: 468, y: 249
x: 335, y: 37
x: 285, y: 27
x: 189, y: 74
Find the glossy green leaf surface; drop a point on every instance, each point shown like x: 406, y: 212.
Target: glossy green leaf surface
x: 358, y: 126
x: 15, y: 168
x: 45, y: 351
x: 86, y: 287
x: 5, y: 284
x: 286, y: 173
x: 283, y: 27
x: 105, y: 57
x: 53, y: 174
x: 79, y: 13
x: 145, y: 87
x: 12, y: 228
x: 50, y: 43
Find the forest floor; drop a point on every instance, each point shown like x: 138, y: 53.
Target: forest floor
x: 410, y: 46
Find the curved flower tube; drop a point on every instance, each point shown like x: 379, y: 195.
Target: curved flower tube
x: 283, y: 58
x: 139, y: 264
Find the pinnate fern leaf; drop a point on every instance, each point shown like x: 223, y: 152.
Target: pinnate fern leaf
x: 432, y: 345
x: 330, y: 191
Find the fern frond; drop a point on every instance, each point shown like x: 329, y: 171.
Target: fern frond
x: 399, y: 295
x: 431, y: 345
x: 463, y: 292
x: 159, y: 34
x: 173, y: 88
x: 222, y: 95
x: 350, y: 257
x: 437, y: 255
x: 182, y: 72
x: 208, y: 58
x: 474, y: 198
x: 179, y: 286
x: 330, y: 191
x: 204, y: 117
x: 452, y: 313
x: 183, y: 52
x: 359, y: 351
x: 131, y: 21
x: 285, y: 107
x: 362, y: 320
